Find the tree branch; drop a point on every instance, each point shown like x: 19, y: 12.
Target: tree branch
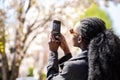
x: 26, y: 48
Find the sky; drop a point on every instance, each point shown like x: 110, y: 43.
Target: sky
x: 114, y: 12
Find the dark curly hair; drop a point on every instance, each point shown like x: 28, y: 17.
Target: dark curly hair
x: 103, y: 50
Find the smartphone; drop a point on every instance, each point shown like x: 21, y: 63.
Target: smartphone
x: 56, y: 29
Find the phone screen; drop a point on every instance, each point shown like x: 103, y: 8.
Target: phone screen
x: 56, y: 28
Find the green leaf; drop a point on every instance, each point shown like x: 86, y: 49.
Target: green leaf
x: 95, y: 11
x: 31, y: 69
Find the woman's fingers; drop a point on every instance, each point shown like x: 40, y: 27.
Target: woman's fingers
x: 52, y: 38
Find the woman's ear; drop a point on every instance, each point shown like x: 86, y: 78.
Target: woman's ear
x: 80, y: 39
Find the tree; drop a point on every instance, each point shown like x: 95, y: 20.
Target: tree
x: 4, y: 67
x: 23, y: 38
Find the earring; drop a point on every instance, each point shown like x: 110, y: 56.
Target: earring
x: 79, y: 41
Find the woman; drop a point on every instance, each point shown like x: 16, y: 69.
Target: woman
x: 100, y: 57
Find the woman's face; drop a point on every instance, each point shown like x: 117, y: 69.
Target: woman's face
x: 75, y: 38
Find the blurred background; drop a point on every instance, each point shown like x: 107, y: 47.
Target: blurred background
x: 25, y: 26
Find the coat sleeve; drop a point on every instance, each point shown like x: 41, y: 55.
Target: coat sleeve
x: 65, y: 58
x: 53, y: 65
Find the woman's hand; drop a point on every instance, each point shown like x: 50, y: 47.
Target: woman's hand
x: 63, y: 44
x: 53, y: 44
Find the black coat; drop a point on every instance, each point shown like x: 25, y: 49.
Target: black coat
x: 71, y: 69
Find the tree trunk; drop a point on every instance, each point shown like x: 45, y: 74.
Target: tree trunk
x: 4, y: 67
x: 15, y: 67
x: 0, y: 72
x: 4, y: 60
